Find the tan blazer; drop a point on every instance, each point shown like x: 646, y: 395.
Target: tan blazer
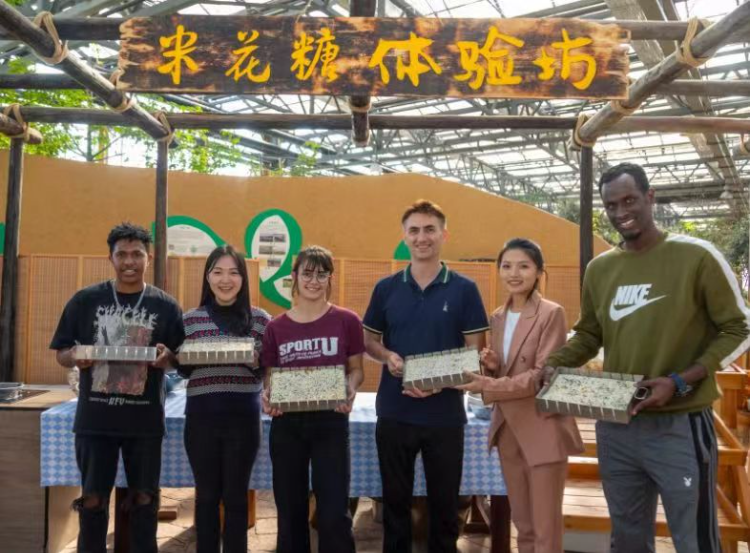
x: 543, y: 437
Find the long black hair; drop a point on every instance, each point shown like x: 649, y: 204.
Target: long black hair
x: 238, y: 316
x: 528, y: 247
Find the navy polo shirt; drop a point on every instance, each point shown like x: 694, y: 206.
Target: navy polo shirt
x: 414, y: 321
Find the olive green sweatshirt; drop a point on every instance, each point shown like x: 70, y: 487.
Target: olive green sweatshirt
x: 660, y: 311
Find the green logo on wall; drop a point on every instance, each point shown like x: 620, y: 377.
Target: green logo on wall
x: 274, y: 237
x: 189, y: 236
x: 401, y: 253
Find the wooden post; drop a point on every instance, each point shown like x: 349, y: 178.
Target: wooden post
x: 680, y: 87
x: 361, y: 104
x: 99, y: 29
x: 160, y: 238
x: 9, y: 291
x: 342, y: 122
x: 704, y: 44
x: 11, y: 127
x: 20, y: 28
x: 586, y: 227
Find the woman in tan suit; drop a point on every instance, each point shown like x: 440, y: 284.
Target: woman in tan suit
x: 533, y: 446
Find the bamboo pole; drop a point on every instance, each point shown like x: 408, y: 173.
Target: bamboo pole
x: 743, y: 149
x: 99, y: 29
x: 11, y: 127
x: 9, y: 284
x: 43, y: 44
x: 704, y: 44
x: 586, y: 224
x: 342, y: 122
x: 160, y: 238
x: 680, y: 87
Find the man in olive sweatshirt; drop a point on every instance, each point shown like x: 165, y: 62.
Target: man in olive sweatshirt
x: 668, y: 307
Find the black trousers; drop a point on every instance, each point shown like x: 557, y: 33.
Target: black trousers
x: 442, y: 451
x: 97, y: 458
x: 298, y: 440
x: 221, y: 452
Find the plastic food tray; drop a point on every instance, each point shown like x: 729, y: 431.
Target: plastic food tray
x: 217, y: 353
x: 433, y: 371
x: 308, y: 389
x: 114, y: 353
x: 590, y: 396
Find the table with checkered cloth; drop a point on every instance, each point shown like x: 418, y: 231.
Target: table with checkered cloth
x: 481, y: 474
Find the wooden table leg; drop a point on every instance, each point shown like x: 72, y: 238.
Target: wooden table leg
x: 122, y: 522
x: 500, y: 523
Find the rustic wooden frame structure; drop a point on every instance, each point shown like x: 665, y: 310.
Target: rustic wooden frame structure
x: 607, y: 120
x: 660, y: 78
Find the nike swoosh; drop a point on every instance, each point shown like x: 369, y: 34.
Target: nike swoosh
x: 617, y: 314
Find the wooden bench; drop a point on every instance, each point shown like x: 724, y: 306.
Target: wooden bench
x: 585, y: 508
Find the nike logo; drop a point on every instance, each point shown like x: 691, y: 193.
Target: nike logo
x: 633, y: 297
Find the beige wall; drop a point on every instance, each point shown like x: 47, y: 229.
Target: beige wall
x: 68, y: 208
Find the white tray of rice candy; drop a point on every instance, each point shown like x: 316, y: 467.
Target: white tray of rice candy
x: 591, y: 394
x: 434, y: 371
x: 114, y: 353
x: 225, y: 352
x: 308, y: 388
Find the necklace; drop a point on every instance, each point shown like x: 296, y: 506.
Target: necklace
x: 140, y: 298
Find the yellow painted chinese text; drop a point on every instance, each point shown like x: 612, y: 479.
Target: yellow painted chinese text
x: 246, y: 61
x: 547, y: 63
x: 183, y: 42
x: 414, y: 47
x: 325, y: 54
x: 497, y: 65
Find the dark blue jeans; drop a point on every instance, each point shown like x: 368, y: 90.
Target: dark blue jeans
x: 320, y: 439
x: 221, y: 451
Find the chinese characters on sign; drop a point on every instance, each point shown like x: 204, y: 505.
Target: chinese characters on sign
x: 461, y: 58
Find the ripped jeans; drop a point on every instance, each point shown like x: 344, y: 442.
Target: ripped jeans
x: 97, y: 458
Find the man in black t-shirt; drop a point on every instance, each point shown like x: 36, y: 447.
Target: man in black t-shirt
x: 121, y: 404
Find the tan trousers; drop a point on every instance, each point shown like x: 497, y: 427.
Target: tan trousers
x: 535, y: 495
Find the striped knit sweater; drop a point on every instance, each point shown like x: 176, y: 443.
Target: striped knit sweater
x: 218, y: 388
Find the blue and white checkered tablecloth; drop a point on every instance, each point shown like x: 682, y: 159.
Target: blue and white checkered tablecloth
x: 481, y: 474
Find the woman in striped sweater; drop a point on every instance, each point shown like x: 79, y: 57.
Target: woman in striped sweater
x: 222, y: 427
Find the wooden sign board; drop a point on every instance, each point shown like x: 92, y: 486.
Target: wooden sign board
x: 490, y: 58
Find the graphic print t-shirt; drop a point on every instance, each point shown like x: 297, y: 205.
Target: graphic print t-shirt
x: 120, y: 398
x: 330, y: 340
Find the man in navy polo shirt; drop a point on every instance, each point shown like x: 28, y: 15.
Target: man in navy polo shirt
x: 424, y: 308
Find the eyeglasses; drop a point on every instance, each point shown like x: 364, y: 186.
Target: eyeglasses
x: 307, y: 276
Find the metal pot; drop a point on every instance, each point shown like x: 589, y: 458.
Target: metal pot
x: 10, y: 390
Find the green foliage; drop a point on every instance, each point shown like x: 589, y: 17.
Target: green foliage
x: 729, y: 235
x: 198, y: 150
x: 570, y: 210
x: 15, y: 3
x: 304, y: 165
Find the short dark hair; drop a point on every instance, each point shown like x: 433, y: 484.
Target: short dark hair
x: 312, y: 258
x: 530, y: 248
x: 632, y: 169
x: 128, y: 231
x: 425, y: 207
x: 241, y: 314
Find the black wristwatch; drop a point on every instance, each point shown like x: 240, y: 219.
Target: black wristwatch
x: 682, y: 388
